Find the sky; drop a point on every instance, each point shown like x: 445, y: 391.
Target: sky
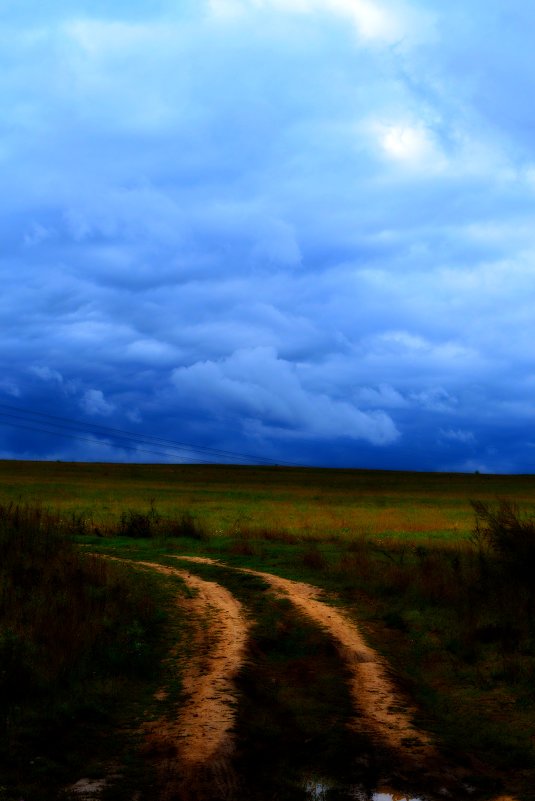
x: 299, y: 230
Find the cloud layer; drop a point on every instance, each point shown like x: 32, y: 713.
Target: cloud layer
x: 301, y: 229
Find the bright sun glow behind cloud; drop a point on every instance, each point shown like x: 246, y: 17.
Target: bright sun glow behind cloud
x: 409, y: 144
x: 372, y: 20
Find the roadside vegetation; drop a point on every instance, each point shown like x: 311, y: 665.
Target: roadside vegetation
x: 78, y: 636
x: 455, y: 621
x: 305, y: 502
x: 448, y: 600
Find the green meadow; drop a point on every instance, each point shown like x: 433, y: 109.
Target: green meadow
x: 443, y: 589
x: 306, y: 502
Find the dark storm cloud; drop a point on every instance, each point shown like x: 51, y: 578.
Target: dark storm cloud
x: 298, y: 229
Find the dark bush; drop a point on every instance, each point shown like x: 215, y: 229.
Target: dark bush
x: 144, y: 525
x: 508, y: 535
x: 135, y: 524
x: 313, y: 558
x: 185, y: 526
x: 140, y: 524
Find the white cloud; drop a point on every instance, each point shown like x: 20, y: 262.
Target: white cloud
x: 257, y: 386
x: 46, y: 373
x: 435, y: 399
x: 405, y: 340
x: 410, y: 145
x: 407, y: 143
x: 458, y: 435
x: 373, y: 20
x: 414, y: 350
x: 382, y: 397
x: 94, y: 403
x: 151, y: 351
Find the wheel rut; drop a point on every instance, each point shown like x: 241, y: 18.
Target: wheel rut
x: 193, y: 751
x: 195, y: 747
x: 382, y: 711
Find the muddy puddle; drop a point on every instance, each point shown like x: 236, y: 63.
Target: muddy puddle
x: 320, y: 790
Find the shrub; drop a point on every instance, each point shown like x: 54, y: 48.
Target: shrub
x: 508, y: 535
x: 313, y: 558
x: 139, y: 524
x: 186, y: 526
x: 144, y: 525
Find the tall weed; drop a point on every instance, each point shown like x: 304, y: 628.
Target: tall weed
x: 73, y: 629
x: 509, y: 535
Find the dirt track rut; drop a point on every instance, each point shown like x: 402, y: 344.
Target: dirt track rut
x: 203, y: 728
x: 383, y: 713
x: 201, y: 736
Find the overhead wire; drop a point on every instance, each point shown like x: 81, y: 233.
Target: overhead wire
x: 124, y: 446
x: 127, y: 439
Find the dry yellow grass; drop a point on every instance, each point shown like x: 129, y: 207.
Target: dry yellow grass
x: 309, y: 503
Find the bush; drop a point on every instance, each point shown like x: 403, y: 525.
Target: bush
x: 139, y: 524
x: 313, y: 558
x: 144, y: 525
x: 508, y: 535
x: 186, y: 526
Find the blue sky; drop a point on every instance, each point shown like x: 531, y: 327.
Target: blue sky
x: 302, y: 229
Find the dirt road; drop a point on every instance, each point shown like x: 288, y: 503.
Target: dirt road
x: 193, y: 750
x: 220, y: 636
x: 382, y: 711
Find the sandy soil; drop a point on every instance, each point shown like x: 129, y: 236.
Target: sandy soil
x: 383, y: 712
x: 206, y: 719
x: 191, y: 752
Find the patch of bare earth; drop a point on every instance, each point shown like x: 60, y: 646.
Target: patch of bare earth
x: 382, y: 710
x: 383, y: 713
x: 87, y: 789
x: 192, y: 750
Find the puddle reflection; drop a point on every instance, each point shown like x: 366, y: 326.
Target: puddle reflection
x: 320, y: 791
x: 394, y: 797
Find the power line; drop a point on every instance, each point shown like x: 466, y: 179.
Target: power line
x: 93, y: 441
x: 110, y: 433
x: 118, y: 432
x: 69, y: 423
x: 163, y: 445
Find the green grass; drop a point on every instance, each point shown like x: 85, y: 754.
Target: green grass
x: 305, y: 502
x: 80, y: 638
x: 393, y: 548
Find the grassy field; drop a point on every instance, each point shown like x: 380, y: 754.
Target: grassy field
x: 453, y: 613
x: 80, y: 644
x: 306, y: 502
